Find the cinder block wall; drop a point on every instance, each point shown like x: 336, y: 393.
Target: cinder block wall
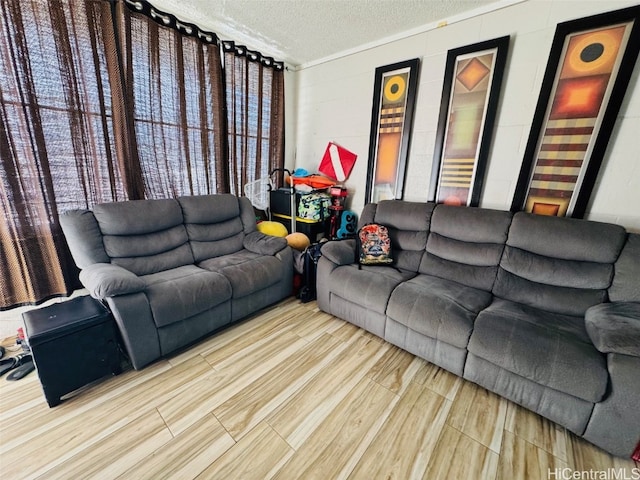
x: 331, y: 101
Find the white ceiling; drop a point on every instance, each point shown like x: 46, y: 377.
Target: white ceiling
x: 303, y: 32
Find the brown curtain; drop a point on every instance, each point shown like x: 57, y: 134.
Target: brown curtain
x: 174, y: 85
x: 58, y: 121
x: 113, y: 100
x: 255, y: 115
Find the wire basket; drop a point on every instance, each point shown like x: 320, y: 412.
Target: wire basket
x: 258, y: 193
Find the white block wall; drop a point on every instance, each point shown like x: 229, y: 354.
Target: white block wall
x: 332, y: 101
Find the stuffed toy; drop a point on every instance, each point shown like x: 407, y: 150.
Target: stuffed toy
x: 275, y: 229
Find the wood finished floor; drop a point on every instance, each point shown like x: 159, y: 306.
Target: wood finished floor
x: 292, y: 393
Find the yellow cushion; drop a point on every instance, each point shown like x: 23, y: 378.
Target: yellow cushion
x: 275, y: 229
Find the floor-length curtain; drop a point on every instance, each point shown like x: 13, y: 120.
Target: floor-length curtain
x: 255, y: 115
x: 58, y: 121
x: 108, y: 100
x: 174, y: 86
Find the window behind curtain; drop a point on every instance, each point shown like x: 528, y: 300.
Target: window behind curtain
x: 255, y: 115
x: 174, y: 85
x: 57, y: 132
x: 92, y: 113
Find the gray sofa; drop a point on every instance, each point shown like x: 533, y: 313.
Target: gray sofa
x: 544, y: 311
x: 175, y: 270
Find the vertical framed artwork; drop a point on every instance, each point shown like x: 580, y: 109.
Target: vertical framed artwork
x: 394, y: 99
x: 589, y: 67
x: 470, y: 94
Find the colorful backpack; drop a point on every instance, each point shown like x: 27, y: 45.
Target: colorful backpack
x: 314, y: 206
x: 374, y: 245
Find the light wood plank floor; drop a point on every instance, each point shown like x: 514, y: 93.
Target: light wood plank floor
x: 291, y: 393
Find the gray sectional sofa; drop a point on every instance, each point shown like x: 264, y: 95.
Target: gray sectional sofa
x: 544, y: 311
x: 175, y: 270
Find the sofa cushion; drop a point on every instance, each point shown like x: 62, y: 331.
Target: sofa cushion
x: 547, y: 348
x: 136, y: 217
x: 258, y: 242
x: 182, y: 292
x: 108, y: 280
x: 246, y: 271
x: 566, y: 238
x: 558, y: 288
x: 465, y: 245
x: 438, y: 308
x: 560, y: 265
x: 408, y: 225
x: 144, y: 236
x: 206, y: 209
x: 214, y: 225
x: 341, y: 252
x: 615, y: 327
x: 158, y: 262
x: 367, y: 286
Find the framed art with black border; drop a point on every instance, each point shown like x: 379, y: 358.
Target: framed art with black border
x: 470, y: 94
x: 589, y: 67
x: 394, y: 100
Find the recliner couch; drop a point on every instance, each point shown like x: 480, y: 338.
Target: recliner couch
x: 544, y: 311
x: 175, y: 270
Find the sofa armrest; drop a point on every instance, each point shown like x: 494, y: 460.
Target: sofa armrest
x: 340, y: 252
x: 615, y: 327
x: 258, y: 242
x: 107, y: 280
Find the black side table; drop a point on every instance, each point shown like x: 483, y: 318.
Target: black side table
x: 73, y: 343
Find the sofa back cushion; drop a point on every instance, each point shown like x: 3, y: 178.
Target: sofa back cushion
x: 144, y: 236
x: 408, y: 225
x: 84, y: 237
x: 214, y: 225
x: 465, y: 245
x: 561, y: 265
x: 626, y: 279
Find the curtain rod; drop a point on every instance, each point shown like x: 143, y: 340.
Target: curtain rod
x: 192, y: 30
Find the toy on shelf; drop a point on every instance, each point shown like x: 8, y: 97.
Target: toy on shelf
x: 342, y: 223
x: 348, y: 225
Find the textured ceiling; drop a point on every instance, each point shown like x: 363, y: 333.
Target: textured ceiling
x: 306, y: 31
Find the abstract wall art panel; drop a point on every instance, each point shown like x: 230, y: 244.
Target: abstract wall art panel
x: 589, y: 67
x: 391, y: 121
x: 473, y: 75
